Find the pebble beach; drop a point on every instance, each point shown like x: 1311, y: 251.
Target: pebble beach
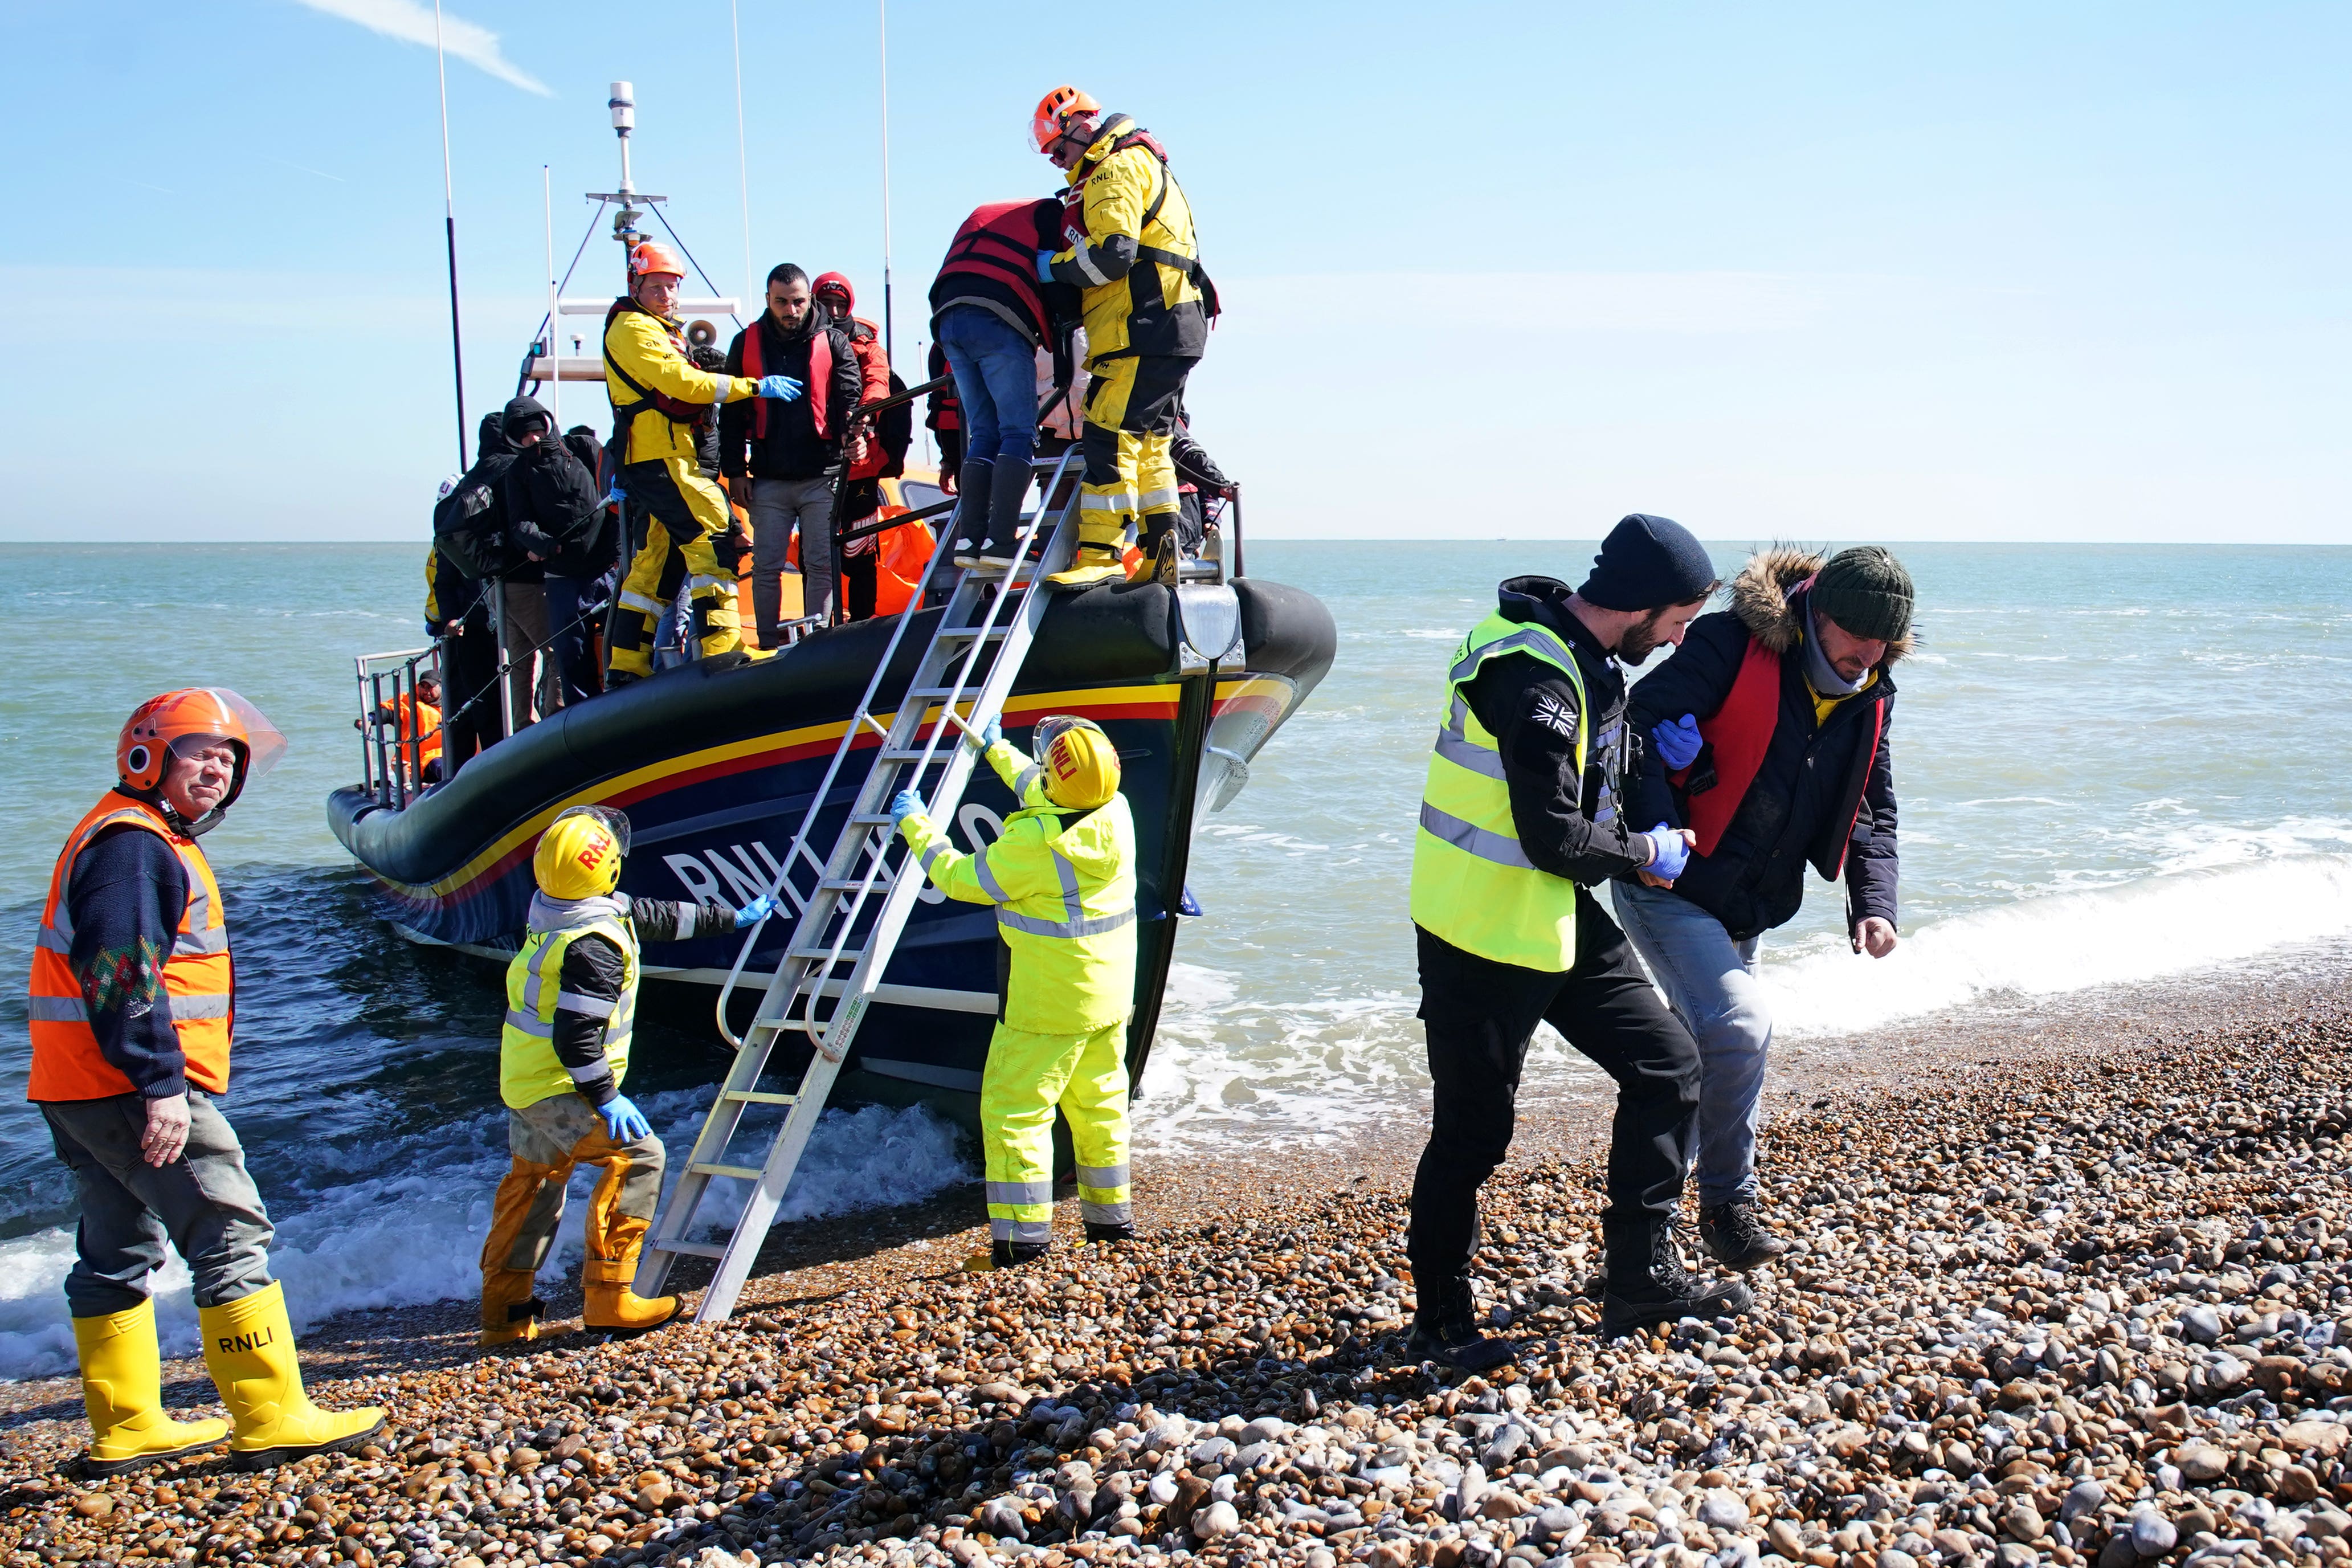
x: 2086, y: 1301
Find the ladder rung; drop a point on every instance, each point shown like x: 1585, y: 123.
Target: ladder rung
x: 846, y: 956
x: 748, y: 1173
x: 842, y: 884
x: 958, y: 692
x: 697, y: 1248
x: 901, y: 754
x: 975, y: 632
x: 871, y: 818
x: 759, y: 1097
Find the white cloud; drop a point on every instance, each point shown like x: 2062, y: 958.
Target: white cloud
x: 411, y: 23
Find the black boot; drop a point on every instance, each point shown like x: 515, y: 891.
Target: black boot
x: 1095, y: 1232
x: 974, y: 490
x: 1445, y: 1329
x: 1008, y: 489
x: 1647, y: 1282
x: 1736, y: 1235
x: 1007, y: 1254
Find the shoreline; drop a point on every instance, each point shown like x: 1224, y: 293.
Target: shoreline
x: 1323, y: 1225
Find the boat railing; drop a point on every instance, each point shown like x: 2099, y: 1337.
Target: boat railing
x: 391, y: 746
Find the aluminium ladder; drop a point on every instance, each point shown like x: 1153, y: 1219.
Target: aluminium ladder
x: 844, y: 934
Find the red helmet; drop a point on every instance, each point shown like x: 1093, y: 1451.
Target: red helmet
x: 648, y: 256
x: 834, y: 283
x: 178, y: 720
x: 1054, y: 111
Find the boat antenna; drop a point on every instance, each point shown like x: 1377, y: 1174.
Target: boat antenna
x: 742, y: 164
x: 449, y: 223
x: 889, y: 320
x: 623, y: 105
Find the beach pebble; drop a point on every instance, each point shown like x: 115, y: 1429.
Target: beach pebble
x: 2200, y: 1462
x: 2152, y: 1534
x: 2201, y: 1324
x: 1216, y: 1521
x: 2022, y: 1522
x: 1722, y: 1510
x: 2082, y: 1498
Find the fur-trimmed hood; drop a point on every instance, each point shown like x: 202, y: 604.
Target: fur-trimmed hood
x: 1760, y: 597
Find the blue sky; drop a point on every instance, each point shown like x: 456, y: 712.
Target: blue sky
x: 2001, y: 271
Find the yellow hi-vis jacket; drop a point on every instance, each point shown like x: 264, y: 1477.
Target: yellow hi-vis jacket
x: 1472, y: 884
x: 1139, y: 263
x: 528, y: 1069
x: 1062, y: 882
x: 647, y: 348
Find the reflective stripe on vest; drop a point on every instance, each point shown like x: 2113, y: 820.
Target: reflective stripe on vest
x: 528, y: 1069
x: 199, y: 975
x: 1075, y: 922
x: 1472, y: 883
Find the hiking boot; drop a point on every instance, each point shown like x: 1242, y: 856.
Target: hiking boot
x: 1098, y: 1232
x: 1647, y: 1283
x: 1735, y: 1235
x: 1445, y: 1329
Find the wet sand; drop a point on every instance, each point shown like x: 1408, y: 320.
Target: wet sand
x: 868, y: 1388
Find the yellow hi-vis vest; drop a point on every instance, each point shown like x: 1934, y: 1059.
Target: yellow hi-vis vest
x: 528, y: 1069
x: 1472, y: 884
x: 1063, y: 881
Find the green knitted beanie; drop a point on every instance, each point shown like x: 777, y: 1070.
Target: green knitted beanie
x: 1867, y: 592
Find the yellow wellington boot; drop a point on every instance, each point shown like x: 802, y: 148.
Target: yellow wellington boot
x: 510, y: 1311
x: 250, y: 1350
x: 1094, y: 564
x: 612, y: 1306
x: 122, y: 1389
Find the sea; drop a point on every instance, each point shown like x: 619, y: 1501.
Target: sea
x: 2116, y: 765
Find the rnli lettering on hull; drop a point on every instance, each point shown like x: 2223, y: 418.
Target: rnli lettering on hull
x: 738, y: 873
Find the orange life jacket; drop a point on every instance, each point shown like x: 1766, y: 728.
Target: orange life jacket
x: 418, y: 721
x: 198, y: 977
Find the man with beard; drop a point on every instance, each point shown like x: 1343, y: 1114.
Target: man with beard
x: 1519, y: 819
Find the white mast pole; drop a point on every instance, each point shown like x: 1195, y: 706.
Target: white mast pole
x: 889, y: 320
x: 752, y: 290
x: 555, y: 321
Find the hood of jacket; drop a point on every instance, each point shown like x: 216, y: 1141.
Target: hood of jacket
x: 1544, y: 601
x: 1098, y: 842
x: 490, y: 438
x: 1106, y: 134
x: 519, y: 409
x: 1761, y: 597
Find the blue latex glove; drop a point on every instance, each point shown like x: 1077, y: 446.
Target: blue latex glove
x: 613, y: 497
x: 1045, y: 267
x: 624, y: 1122
x: 755, y: 911
x: 903, y: 806
x: 991, y: 732
x: 1673, y: 853
x: 782, y: 388
x: 1678, y: 741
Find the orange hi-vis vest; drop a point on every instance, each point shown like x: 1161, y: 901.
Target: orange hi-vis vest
x: 198, y: 977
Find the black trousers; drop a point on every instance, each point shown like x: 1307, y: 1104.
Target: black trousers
x: 1479, y: 1015
x: 469, y: 665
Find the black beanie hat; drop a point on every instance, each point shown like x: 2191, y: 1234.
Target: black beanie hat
x: 1867, y: 592
x: 1647, y: 562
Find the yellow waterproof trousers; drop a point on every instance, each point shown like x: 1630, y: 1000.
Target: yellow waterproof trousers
x: 689, y: 515
x: 546, y: 1142
x: 1026, y: 1077
x: 1133, y: 406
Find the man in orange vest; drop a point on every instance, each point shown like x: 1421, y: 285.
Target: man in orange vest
x: 133, y: 1008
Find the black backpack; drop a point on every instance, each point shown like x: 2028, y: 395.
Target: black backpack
x: 469, y: 523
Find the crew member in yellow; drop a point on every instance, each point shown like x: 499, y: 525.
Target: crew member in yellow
x: 1062, y: 877
x: 661, y: 403
x: 1147, y: 306
x: 132, y: 1008
x: 572, y: 996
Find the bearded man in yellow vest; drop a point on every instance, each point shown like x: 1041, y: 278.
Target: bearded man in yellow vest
x: 132, y: 1008
x: 1061, y: 878
x: 571, y: 1000
x: 1521, y: 818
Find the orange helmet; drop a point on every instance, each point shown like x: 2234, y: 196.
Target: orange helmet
x: 1054, y: 112
x: 648, y: 256
x: 178, y: 720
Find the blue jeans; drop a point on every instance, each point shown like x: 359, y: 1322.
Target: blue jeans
x: 1710, y: 982
x: 996, y: 383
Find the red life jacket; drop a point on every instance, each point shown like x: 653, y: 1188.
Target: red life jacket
x: 1736, y: 738
x: 820, y: 377
x: 676, y: 410
x: 999, y: 241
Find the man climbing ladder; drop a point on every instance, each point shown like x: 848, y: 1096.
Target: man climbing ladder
x: 1147, y: 305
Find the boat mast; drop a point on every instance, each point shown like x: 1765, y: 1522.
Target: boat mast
x: 623, y: 105
x: 449, y: 224
x: 889, y: 320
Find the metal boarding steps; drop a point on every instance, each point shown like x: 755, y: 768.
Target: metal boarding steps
x: 844, y: 934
